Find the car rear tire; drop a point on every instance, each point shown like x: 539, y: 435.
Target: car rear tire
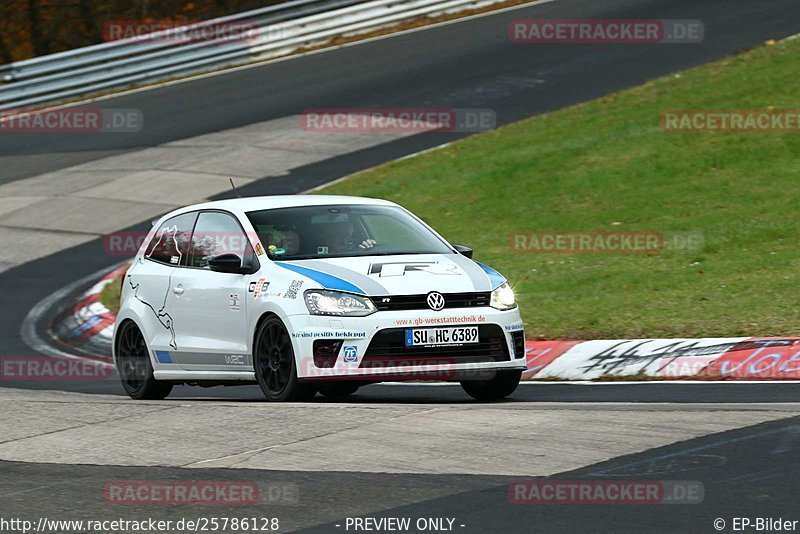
x: 501, y: 386
x: 338, y: 390
x: 275, y: 366
x: 134, y: 366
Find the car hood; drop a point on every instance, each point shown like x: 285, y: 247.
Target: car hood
x: 399, y: 275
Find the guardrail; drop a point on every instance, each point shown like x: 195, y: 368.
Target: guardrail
x: 272, y: 31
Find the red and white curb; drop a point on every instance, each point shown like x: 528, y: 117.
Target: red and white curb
x: 88, y: 322
x: 738, y: 358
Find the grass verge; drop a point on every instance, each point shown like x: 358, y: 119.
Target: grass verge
x: 109, y: 296
x: 608, y: 165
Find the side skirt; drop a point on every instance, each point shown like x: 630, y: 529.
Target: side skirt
x: 192, y: 376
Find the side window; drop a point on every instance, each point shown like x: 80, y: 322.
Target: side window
x: 170, y: 244
x: 217, y: 233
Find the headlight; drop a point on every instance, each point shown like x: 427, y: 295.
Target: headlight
x: 503, y: 298
x: 321, y: 302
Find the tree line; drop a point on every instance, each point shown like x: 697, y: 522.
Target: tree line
x: 30, y: 28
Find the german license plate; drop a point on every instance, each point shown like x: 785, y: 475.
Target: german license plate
x: 431, y: 337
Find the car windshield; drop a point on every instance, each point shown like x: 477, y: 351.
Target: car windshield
x: 307, y: 232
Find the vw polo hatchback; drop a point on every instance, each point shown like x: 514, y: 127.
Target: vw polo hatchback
x: 307, y: 294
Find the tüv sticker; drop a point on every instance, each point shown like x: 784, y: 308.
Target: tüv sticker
x: 350, y: 354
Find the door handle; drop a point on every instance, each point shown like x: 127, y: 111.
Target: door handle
x: 178, y: 290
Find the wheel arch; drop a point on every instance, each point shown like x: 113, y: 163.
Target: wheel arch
x: 263, y: 317
x: 118, y: 329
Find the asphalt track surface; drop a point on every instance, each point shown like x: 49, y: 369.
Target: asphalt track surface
x: 467, y: 64
x: 746, y: 471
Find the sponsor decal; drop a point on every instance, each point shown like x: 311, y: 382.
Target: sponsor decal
x: 294, y: 287
x: 350, y: 354
x: 161, y: 313
x: 234, y: 302
x: 259, y: 249
x: 513, y: 327
x: 258, y: 288
x: 345, y: 334
x: 236, y: 359
x: 453, y: 319
x: 202, y: 358
x: 401, y: 268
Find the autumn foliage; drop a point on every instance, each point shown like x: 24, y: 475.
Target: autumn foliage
x: 31, y: 28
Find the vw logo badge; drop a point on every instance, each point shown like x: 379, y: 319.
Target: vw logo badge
x: 435, y: 301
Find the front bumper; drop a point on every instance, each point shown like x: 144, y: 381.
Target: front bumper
x: 369, y: 350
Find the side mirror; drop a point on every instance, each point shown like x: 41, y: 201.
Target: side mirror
x: 228, y: 263
x: 464, y: 251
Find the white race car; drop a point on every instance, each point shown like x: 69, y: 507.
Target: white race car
x: 307, y: 294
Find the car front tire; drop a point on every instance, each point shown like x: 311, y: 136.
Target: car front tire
x: 275, y: 366
x: 501, y: 386
x: 134, y: 366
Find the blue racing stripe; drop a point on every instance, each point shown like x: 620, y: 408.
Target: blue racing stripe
x: 325, y: 280
x: 495, y: 278
x: 162, y: 356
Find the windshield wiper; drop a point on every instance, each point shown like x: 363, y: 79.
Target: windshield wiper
x: 398, y: 253
x: 329, y: 256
